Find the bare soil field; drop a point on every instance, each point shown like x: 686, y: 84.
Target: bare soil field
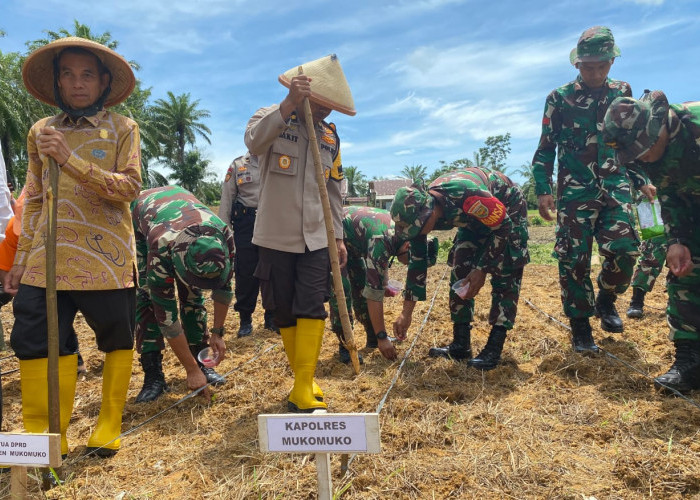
x: 547, y: 423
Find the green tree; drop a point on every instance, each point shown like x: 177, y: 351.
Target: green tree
x: 414, y: 172
x: 357, y: 182
x: 495, y: 152
x: 446, y: 168
x: 528, y: 185
x: 180, y: 118
x: 191, y: 173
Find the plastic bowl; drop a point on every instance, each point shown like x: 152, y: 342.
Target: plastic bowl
x: 207, y: 358
x: 393, y: 287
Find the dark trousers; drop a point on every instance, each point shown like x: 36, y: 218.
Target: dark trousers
x: 110, y: 313
x: 246, y: 285
x: 294, y: 285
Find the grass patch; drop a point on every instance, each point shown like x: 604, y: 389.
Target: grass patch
x: 541, y: 253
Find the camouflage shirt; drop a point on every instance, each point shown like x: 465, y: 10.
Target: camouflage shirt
x: 572, y: 125
x: 369, y: 235
x: 485, y: 202
x: 677, y: 174
x: 159, y: 215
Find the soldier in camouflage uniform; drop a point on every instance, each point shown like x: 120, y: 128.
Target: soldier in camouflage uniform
x: 491, y: 215
x: 593, y: 192
x: 372, y: 244
x: 183, y: 248
x: 665, y: 140
x: 651, y: 260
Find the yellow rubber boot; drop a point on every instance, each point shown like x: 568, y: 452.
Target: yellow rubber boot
x: 307, y: 346
x: 35, y: 394
x: 116, y: 375
x: 288, y: 335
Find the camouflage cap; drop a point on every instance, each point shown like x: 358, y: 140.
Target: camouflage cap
x: 595, y: 44
x: 632, y: 126
x: 201, y: 258
x: 410, y: 209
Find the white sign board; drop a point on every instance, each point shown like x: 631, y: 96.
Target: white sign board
x: 30, y: 449
x: 320, y: 433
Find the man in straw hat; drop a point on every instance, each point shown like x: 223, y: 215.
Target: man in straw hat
x: 491, y: 216
x: 99, y: 156
x: 289, y: 229
x: 182, y: 249
x: 665, y: 140
x: 593, y: 192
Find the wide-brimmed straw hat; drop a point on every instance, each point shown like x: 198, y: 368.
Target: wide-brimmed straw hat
x: 38, y: 70
x: 329, y: 87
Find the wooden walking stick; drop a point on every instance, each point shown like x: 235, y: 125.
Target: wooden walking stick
x: 348, y: 338
x: 51, y: 303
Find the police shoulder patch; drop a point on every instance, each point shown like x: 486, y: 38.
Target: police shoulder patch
x: 489, y: 210
x: 229, y: 173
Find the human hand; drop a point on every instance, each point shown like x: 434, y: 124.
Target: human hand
x: 679, y: 260
x: 401, y: 326
x: 51, y: 142
x: 476, y: 279
x: 386, y: 347
x: 218, y: 346
x: 545, y: 204
x: 13, y: 278
x: 195, y: 380
x: 649, y: 190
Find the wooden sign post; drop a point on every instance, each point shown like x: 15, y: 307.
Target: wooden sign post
x: 20, y: 451
x: 320, y: 433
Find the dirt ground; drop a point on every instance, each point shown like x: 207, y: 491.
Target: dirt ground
x: 548, y: 423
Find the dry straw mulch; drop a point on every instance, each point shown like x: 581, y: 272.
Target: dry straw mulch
x: 548, y: 423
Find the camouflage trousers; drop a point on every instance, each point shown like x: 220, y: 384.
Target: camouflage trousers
x: 617, y: 245
x: 651, y: 262
x: 465, y: 253
x: 193, y: 316
x: 354, y: 280
x: 683, y: 311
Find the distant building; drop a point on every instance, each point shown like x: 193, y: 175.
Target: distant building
x: 381, y: 192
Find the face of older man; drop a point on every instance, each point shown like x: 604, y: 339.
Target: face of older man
x: 79, y: 81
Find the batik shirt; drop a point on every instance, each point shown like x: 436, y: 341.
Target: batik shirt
x: 95, y: 238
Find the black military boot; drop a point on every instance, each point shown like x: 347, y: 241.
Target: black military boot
x: 605, y: 310
x: 343, y: 353
x: 213, y: 378
x: 246, y: 327
x: 636, y: 309
x: 582, y: 336
x: 490, y: 355
x: 460, y: 348
x: 270, y: 322
x: 684, y: 374
x: 153, y: 379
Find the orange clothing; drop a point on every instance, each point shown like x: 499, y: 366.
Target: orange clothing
x: 8, y: 246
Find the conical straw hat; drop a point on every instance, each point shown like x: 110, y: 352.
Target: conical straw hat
x: 328, y: 84
x: 38, y: 76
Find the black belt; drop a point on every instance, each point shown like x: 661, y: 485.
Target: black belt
x: 240, y: 209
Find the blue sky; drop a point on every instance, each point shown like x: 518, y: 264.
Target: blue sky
x: 431, y: 79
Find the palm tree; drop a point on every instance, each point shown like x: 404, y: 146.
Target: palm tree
x: 180, y: 118
x: 528, y: 187
x: 414, y: 172
x: 357, y: 182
